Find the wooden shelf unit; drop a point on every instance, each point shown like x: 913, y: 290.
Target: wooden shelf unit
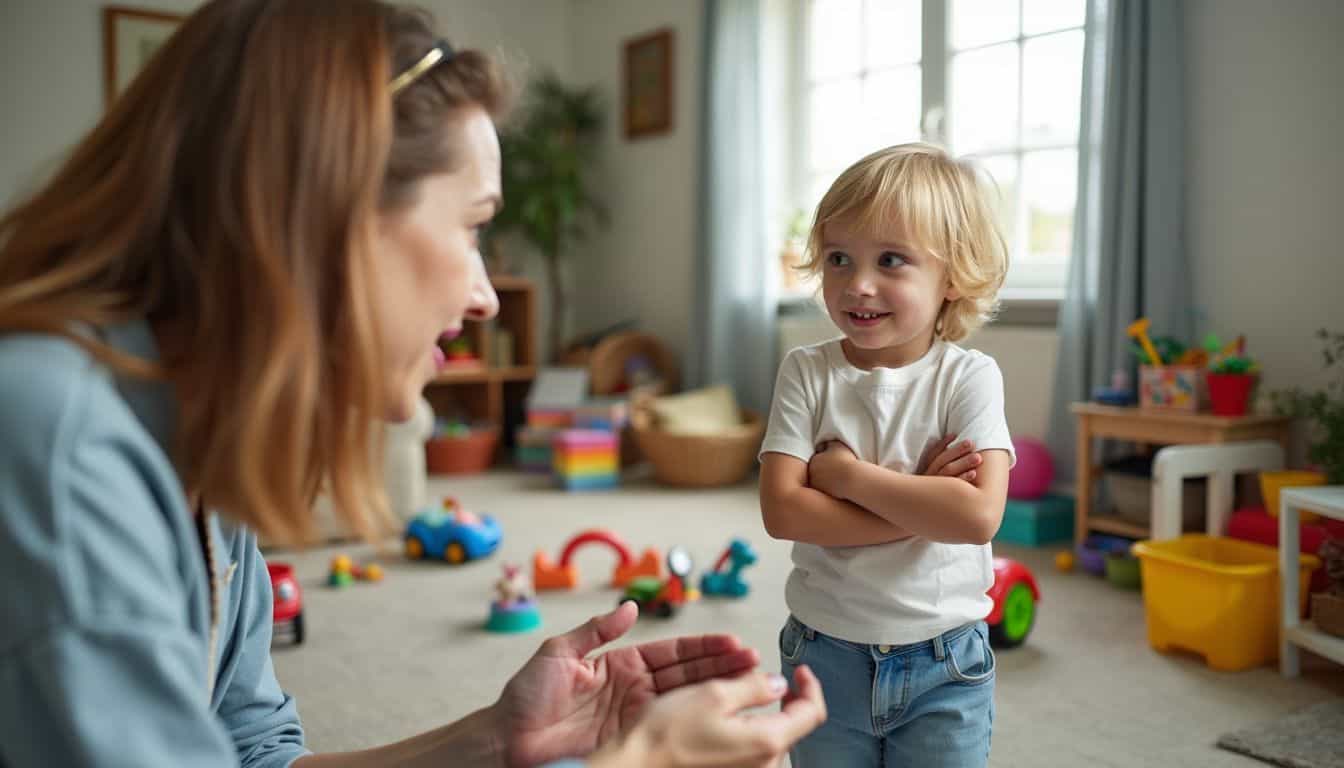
x: 489, y: 392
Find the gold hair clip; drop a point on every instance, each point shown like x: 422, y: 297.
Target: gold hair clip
x: 440, y: 52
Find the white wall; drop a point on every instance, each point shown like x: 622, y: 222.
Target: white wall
x: 1266, y: 175
x: 643, y: 266
x: 52, y: 57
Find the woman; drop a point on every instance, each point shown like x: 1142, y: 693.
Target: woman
x: 248, y: 260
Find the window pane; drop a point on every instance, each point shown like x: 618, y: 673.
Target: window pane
x: 836, y: 27
x: 818, y: 183
x: 893, y: 35
x: 1040, y: 16
x: 891, y: 109
x: 835, y: 124
x: 1049, y: 188
x: 981, y: 22
x: 1052, y: 72
x: 1002, y: 170
x: 984, y: 99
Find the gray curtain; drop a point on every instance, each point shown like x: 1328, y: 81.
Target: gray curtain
x: 1129, y: 254
x: 735, y: 277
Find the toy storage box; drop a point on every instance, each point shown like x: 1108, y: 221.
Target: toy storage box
x: 1036, y: 522
x: 1174, y: 387
x: 1216, y: 596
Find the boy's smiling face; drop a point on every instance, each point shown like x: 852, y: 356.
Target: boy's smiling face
x: 882, y: 291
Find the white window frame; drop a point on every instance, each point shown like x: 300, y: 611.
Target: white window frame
x: 935, y: 60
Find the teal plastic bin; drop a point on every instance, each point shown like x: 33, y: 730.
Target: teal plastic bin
x: 1038, y: 522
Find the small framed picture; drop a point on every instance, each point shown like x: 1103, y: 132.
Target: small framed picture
x: 130, y: 38
x: 648, y: 84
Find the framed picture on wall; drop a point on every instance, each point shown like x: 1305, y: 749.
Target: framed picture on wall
x: 130, y: 37
x: 647, y: 80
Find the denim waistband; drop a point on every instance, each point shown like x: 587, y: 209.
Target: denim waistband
x: 937, y: 645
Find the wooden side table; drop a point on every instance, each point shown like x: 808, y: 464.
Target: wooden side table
x: 1151, y: 426
x: 1327, y: 501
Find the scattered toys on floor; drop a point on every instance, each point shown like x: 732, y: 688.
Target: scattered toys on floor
x: 720, y: 583
x: 451, y: 533
x: 287, y: 600
x: 546, y: 574
x: 663, y: 598
x: 515, y: 608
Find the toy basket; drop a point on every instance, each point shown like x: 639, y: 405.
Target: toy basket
x: 607, y: 360
x: 701, y: 461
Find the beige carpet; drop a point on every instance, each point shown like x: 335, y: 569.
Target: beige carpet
x: 384, y: 661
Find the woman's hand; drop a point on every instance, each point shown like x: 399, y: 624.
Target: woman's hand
x: 703, y: 725
x: 562, y: 704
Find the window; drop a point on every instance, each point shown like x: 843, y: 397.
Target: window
x: 1000, y: 80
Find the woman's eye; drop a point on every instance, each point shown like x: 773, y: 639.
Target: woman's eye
x: 890, y: 259
x: 837, y: 258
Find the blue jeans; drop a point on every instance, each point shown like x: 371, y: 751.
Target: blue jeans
x: 928, y: 704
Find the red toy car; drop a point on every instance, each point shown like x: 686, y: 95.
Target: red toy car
x: 1015, y: 595
x: 287, y: 598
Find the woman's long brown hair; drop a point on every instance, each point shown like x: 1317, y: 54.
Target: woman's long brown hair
x: 229, y: 197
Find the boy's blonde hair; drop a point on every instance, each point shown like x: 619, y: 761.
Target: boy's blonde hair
x: 945, y: 206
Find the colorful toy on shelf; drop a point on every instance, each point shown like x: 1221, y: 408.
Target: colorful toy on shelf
x: 458, y: 353
x: 1232, y: 376
x: 286, y: 599
x: 451, y: 533
x: 1138, y: 330
x: 720, y: 583
x: 1015, y: 595
x: 586, y: 459
x: 1118, y: 393
x: 660, y: 598
x: 515, y: 606
x: 548, y: 575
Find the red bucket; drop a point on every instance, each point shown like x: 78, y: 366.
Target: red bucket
x: 1230, y: 393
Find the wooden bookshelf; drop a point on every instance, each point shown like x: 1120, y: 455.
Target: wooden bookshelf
x: 493, y: 390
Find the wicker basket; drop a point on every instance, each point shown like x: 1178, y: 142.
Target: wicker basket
x: 1327, y: 611
x: 606, y: 361
x: 700, y: 461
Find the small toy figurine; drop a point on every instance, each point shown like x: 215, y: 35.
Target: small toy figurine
x: 341, y: 573
x: 515, y: 610
x: 663, y: 598
x: 729, y: 583
x: 345, y: 571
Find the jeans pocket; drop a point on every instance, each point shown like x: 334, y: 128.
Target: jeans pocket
x: 970, y: 660
x: 792, y: 641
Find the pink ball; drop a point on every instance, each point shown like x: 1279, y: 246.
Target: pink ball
x: 1030, y: 478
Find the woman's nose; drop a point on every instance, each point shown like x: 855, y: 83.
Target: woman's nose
x: 482, y: 304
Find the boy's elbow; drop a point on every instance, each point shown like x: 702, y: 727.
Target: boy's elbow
x: 775, y: 519
x: 986, y: 526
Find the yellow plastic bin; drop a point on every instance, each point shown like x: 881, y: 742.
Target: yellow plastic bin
x: 1271, y: 483
x: 1216, y: 596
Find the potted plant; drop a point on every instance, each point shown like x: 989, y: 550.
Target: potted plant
x: 1231, y: 377
x: 1324, y: 407
x: 547, y: 165
x: 1327, y: 608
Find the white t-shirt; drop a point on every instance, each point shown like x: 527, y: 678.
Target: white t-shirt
x: 904, y: 591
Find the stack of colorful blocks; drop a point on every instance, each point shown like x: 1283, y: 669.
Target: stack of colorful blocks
x: 532, y: 448
x: 586, y: 459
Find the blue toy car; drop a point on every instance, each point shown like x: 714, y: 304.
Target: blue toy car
x: 451, y: 534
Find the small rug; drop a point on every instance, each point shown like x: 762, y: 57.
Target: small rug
x: 1312, y: 738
